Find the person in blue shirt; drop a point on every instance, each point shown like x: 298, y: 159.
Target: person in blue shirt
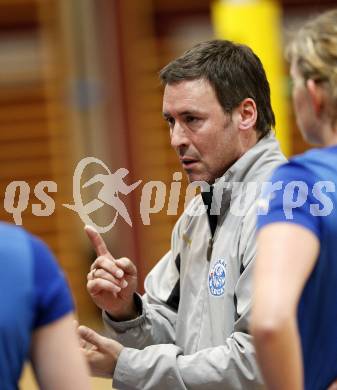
x: 36, y: 316
x: 294, y: 318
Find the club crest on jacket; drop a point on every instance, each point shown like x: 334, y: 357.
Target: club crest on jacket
x: 216, y: 278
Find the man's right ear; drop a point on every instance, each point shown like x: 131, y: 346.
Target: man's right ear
x: 248, y: 114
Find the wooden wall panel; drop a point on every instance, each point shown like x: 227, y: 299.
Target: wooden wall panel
x: 140, y: 131
x: 35, y: 133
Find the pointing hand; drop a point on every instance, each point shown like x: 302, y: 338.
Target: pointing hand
x: 111, y: 282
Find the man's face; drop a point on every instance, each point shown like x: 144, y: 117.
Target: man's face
x: 204, y: 137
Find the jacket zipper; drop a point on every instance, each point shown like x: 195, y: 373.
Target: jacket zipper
x: 209, y: 249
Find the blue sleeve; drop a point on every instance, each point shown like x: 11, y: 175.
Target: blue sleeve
x: 290, y: 197
x: 52, y: 295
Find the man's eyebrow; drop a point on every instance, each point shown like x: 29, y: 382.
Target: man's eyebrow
x: 189, y: 112
x: 182, y: 113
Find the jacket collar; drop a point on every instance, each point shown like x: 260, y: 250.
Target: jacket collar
x: 244, y: 170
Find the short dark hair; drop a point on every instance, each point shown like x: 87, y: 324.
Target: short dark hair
x: 234, y: 71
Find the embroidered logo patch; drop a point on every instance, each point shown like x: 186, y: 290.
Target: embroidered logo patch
x: 216, y: 278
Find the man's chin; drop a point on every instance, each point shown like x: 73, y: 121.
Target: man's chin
x: 198, y: 177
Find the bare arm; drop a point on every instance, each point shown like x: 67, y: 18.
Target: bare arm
x: 56, y: 357
x: 286, y: 256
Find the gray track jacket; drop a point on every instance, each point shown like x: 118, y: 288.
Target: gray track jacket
x: 193, y: 330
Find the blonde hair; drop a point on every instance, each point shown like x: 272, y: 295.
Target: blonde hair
x: 314, y: 51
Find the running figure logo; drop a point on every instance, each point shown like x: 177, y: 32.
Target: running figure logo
x: 113, y: 184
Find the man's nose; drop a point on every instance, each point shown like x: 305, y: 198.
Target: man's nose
x: 179, y: 137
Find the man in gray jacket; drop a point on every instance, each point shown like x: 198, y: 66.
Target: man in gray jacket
x: 190, y: 329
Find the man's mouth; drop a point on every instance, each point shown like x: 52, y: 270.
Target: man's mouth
x: 188, y: 162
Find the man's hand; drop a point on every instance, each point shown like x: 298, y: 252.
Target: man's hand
x: 111, y: 282
x: 101, y: 354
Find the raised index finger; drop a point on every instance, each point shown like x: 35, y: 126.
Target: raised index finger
x: 97, y: 241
